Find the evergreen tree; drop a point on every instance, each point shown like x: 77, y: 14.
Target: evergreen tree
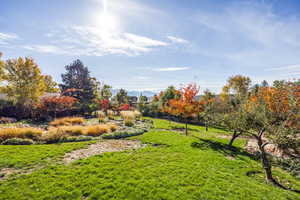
x: 78, y: 83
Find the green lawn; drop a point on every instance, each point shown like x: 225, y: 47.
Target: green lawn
x: 26, y: 156
x: 172, y: 166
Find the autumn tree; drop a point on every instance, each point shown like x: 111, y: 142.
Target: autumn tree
x: 187, y: 105
x: 104, y: 104
x: 168, y: 94
x: 1, y: 68
x: 236, y: 121
x: 273, y: 118
x: 56, y: 104
x: 24, y: 81
x: 233, y: 95
x: 50, y: 85
x: 208, y: 102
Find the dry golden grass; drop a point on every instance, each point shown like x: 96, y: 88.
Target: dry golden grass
x: 65, y: 131
x: 137, y: 114
x: 97, y: 130
x: 29, y: 133
x: 128, y: 117
x: 111, y: 114
x: 113, y: 127
x: 100, y: 115
x: 67, y: 121
x: 69, y: 130
x: 54, y: 135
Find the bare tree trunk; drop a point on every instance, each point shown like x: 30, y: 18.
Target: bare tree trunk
x: 186, y: 127
x: 234, y: 136
x: 266, y: 162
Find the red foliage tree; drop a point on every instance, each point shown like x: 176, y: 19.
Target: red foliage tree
x: 187, y: 105
x: 124, y: 107
x: 104, y: 104
x: 57, y: 104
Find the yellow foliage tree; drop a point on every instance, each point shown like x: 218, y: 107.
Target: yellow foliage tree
x: 23, y: 81
x: 50, y: 84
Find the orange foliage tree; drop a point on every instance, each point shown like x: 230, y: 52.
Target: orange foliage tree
x: 273, y: 117
x: 186, y: 106
x: 56, y: 104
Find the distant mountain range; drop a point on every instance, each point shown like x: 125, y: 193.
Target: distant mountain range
x: 136, y: 93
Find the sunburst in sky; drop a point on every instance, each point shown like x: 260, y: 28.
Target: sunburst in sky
x: 148, y: 45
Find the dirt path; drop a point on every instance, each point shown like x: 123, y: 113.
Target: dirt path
x: 102, y: 147
x: 91, y: 150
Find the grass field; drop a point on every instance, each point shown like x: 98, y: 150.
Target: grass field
x: 172, y: 166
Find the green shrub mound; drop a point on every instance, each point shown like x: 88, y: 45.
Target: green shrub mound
x: 64, y: 139
x: 18, y: 141
x: 124, y: 134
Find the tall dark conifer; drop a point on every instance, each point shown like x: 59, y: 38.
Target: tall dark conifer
x: 78, y: 83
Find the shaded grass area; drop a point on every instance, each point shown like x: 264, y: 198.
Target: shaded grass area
x: 20, y: 156
x: 170, y: 125
x: 174, y: 167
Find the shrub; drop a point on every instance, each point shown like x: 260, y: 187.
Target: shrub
x: 66, y: 121
x: 54, y: 136
x: 18, y: 141
x: 60, y: 134
x: 113, y: 127
x: 77, y: 139
x: 69, y: 130
x: 137, y: 114
x: 123, y: 134
x: 124, y: 107
x: 100, y: 115
x: 29, y: 133
x: 128, y: 117
x: 111, y: 114
x: 104, y: 104
x: 97, y: 130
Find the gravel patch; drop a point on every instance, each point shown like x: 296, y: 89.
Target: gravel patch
x: 102, y: 147
x: 5, y: 172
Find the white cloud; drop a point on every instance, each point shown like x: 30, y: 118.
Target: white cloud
x: 45, y: 49
x: 6, y: 37
x: 169, y: 69
x: 177, y: 40
x: 288, y: 67
x: 249, y: 36
x: 94, y: 41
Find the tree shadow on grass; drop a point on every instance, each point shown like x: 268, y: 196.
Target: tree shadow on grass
x: 178, y: 128
x: 226, y: 150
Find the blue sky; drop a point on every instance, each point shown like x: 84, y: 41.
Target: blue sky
x: 150, y: 44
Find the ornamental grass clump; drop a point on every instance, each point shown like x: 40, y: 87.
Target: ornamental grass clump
x: 113, y: 127
x: 69, y: 130
x: 24, y: 133
x: 111, y: 114
x: 128, y: 117
x: 100, y: 115
x: 67, y: 121
x: 54, y: 136
x: 137, y: 114
x: 97, y: 130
